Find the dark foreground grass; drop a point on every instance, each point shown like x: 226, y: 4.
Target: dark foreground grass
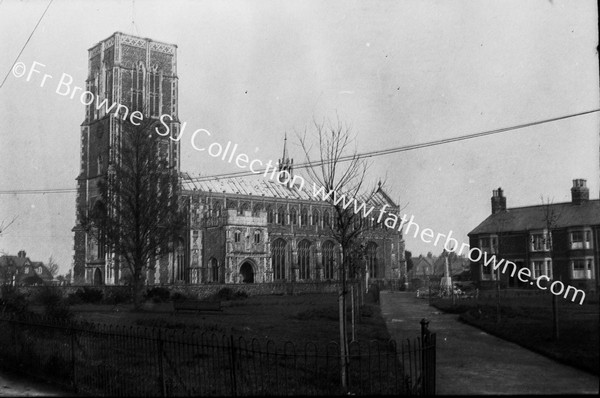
x: 300, y: 319
x: 292, y: 353
x: 528, y: 322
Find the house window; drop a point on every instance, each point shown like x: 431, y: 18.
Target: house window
x: 542, y: 267
x: 304, y: 260
x: 257, y: 236
x: 582, y: 268
x: 237, y: 236
x: 489, y: 244
x: 581, y: 240
x: 328, y: 260
x: 278, y: 256
x: 539, y: 242
x: 372, y: 264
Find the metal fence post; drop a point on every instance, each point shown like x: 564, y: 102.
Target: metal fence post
x: 161, y: 368
x: 73, y: 374
x: 424, y: 360
x: 232, y: 366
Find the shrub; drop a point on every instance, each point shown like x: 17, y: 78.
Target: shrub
x: 55, y: 305
x: 86, y: 295
x: 373, y: 294
x: 117, y: 296
x: 12, y: 301
x: 158, y: 294
x: 177, y: 296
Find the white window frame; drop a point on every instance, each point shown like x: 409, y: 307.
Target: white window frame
x: 586, y: 239
x: 545, y: 239
x: 546, y: 268
x: 587, y: 273
x: 492, y: 247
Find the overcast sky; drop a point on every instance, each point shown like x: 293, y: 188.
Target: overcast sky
x: 399, y: 72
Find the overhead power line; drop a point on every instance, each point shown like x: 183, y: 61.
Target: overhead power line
x: 27, y: 42
x: 370, y: 154
x: 405, y: 148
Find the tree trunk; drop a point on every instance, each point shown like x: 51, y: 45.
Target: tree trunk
x: 138, y: 291
x: 343, y: 328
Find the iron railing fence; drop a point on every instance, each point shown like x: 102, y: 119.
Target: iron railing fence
x: 119, y: 360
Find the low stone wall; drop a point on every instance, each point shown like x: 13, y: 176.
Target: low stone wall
x: 207, y: 290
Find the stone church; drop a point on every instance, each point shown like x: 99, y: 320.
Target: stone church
x: 241, y: 229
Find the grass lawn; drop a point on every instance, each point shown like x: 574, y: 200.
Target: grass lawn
x: 300, y: 319
x: 527, y: 321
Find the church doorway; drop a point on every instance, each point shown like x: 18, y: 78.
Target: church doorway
x: 97, y: 277
x: 247, y: 273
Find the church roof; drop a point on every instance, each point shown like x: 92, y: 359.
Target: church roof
x: 257, y: 186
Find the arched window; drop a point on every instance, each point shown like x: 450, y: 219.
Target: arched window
x: 281, y: 216
x: 213, y: 268
x: 154, y: 92
x: 304, y: 260
x: 371, y: 254
x: 278, y: 257
x: 257, y: 209
x: 304, y: 217
x: 257, y: 236
x: 244, y: 207
x: 217, y: 209
x: 270, y: 215
x: 328, y: 260
x: 326, y: 219
x: 232, y: 204
x: 293, y: 216
x: 315, y: 218
x: 237, y: 236
x: 137, y: 88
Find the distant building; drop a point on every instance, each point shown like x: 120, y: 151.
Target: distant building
x: 520, y: 235
x: 20, y: 270
x: 432, y: 267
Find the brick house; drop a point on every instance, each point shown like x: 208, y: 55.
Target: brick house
x: 570, y: 251
x: 20, y: 270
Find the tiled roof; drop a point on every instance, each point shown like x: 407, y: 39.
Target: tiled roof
x: 257, y: 185
x: 534, y: 217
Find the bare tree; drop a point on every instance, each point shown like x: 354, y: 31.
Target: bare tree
x: 336, y: 167
x: 139, y: 216
x: 52, y: 266
x: 551, y: 217
x: 5, y: 224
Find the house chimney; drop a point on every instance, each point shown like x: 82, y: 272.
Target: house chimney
x: 21, y: 254
x: 580, y: 192
x: 498, y: 201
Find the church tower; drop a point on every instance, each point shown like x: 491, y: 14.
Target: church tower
x: 134, y: 74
